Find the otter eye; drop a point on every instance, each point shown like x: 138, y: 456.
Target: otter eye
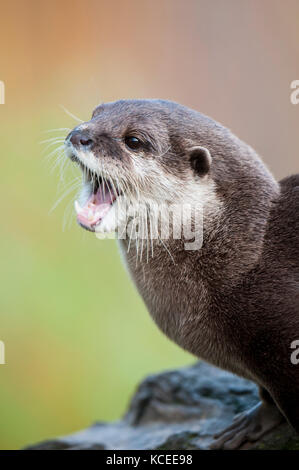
x: 133, y: 142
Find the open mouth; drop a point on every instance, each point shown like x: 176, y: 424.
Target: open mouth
x: 100, y: 194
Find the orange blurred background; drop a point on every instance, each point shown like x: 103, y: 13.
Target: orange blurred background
x: 77, y: 337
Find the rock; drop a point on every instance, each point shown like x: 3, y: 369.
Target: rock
x: 180, y: 409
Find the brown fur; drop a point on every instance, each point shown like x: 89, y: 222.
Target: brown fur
x: 235, y: 302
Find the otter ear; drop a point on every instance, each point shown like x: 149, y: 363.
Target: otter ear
x: 200, y: 160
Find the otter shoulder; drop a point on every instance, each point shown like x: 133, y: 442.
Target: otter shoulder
x: 289, y: 202
x: 283, y: 227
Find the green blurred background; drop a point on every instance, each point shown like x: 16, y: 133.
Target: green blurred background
x: 78, y: 338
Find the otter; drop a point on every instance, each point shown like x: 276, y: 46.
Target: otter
x: 234, y: 300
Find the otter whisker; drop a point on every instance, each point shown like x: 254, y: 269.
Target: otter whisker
x: 151, y: 232
x: 147, y: 247
x: 60, y: 148
x: 58, y: 155
x: 52, y: 139
x: 67, y: 217
x: 48, y: 146
x: 172, y: 258
x: 59, y: 129
x: 71, y: 114
x: 130, y: 238
x: 143, y: 235
x: 61, y: 162
x: 74, y: 185
x: 164, y: 153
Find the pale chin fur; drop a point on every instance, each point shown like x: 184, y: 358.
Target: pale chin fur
x: 115, y: 219
x: 201, y: 195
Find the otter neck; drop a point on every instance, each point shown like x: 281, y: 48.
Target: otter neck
x: 165, y: 271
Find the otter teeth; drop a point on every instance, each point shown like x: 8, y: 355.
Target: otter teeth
x: 78, y: 208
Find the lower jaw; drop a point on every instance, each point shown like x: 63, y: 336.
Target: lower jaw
x: 91, y: 227
x: 93, y: 206
x: 86, y: 227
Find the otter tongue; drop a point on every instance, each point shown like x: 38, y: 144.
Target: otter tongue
x: 96, y: 207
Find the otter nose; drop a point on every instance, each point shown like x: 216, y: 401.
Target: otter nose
x: 81, y: 139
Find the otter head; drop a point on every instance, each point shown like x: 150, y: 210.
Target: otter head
x: 138, y: 152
